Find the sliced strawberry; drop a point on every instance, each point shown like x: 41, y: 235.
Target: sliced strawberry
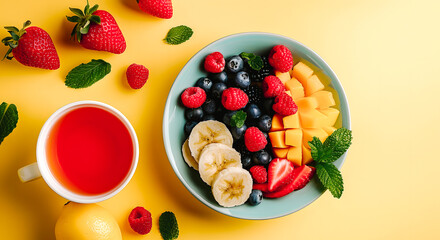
x: 280, y: 173
x: 261, y: 186
x: 302, y: 176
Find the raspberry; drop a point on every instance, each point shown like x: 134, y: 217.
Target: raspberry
x: 137, y: 75
x: 281, y: 58
x: 284, y: 105
x: 140, y: 220
x: 259, y: 174
x: 214, y: 62
x: 272, y: 86
x: 254, y: 139
x: 234, y: 99
x: 193, y: 97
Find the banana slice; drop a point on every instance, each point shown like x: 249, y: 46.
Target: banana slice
x: 232, y: 187
x: 189, y: 159
x: 214, y: 158
x: 207, y: 132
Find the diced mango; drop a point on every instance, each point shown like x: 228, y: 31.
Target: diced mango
x: 295, y: 155
x: 306, y: 104
x: 324, y: 98
x: 280, y: 152
x: 295, y: 87
x: 277, y: 123
x: 302, y: 72
x: 332, y: 115
x: 313, y: 85
x: 329, y: 130
x: 306, y: 155
x: 309, y: 133
x: 283, y: 76
x: 291, y: 121
x: 277, y: 139
x: 312, y: 119
x: 294, y: 137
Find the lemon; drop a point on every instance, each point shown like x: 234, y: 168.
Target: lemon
x: 86, y: 221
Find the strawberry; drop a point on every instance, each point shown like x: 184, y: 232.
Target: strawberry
x: 301, y: 176
x: 261, y: 186
x: 280, y: 173
x: 157, y: 8
x: 97, y: 30
x: 31, y: 46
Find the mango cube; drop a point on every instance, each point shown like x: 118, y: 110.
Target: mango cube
x: 295, y: 155
x: 312, y: 119
x: 306, y: 155
x: 295, y: 88
x: 329, y: 130
x: 277, y: 123
x: 302, y: 72
x: 313, y: 85
x: 306, y: 104
x: 291, y: 121
x: 294, y: 137
x: 280, y: 152
x: 324, y: 98
x: 283, y: 76
x: 332, y: 115
x: 278, y: 139
x: 309, y: 133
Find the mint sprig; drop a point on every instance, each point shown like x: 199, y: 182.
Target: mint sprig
x: 324, y: 154
x: 86, y: 74
x: 238, y: 119
x: 168, y: 227
x: 254, y: 61
x: 8, y: 119
x: 178, y: 35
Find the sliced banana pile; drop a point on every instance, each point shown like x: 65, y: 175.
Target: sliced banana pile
x: 209, y: 150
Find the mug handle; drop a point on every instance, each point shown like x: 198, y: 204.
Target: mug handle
x: 29, y: 172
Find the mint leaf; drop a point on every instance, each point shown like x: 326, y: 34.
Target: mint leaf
x: 168, y: 227
x: 8, y: 119
x: 178, y: 35
x: 335, y: 145
x: 85, y: 75
x: 238, y: 119
x: 248, y: 56
x: 316, y: 148
x: 331, y: 178
x: 254, y: 61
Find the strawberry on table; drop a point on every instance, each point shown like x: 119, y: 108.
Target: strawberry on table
x: 97, y: 30
x: 157, y: 8
x: 31, y: 46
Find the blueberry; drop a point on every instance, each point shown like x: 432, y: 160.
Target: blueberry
x: 208, y: 117
x: 209, y: 106
x: 253, y: 111
x: 219, y: 77
x: 189, y: 126
x: 238, y: 132
x: 217, y: 89
x: 265, y: 123
x: 267, y: 106
x: 256, y: 197
x: 194, y: 114
x: 242, y: 80
x: 261, y: 158
x: 246, y: 161
x: 204, y: 83
x: 227, y: 117
x: 234, y: 64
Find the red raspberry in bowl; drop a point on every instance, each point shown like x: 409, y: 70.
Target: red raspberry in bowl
x: 272, y: 86
x: 193, y: 97
x: 234, y: 99
x: 259, y: 174
x: 214, y: 62
x: 140, y: 220
x: 280, y: 58
x: 254, y: 139
x: 284, y: 105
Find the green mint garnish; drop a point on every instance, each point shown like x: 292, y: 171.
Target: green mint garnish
x: 168, y: 226
x: 254, y: 61
x: 324, y: 154
x: 238, y: 119
x: 178, y: 35
x: 86, y: 74
x: 8, y: 119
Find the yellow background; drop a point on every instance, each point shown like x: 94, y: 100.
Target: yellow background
x: 385, y: 52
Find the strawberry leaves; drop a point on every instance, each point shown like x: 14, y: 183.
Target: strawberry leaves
x: 8, y: 119
x: 12, y: 41
x: 83, y: 20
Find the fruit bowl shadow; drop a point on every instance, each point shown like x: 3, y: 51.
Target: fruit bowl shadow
x: 173, y: 124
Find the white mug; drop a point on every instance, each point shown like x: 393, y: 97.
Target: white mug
x: 41, y: 167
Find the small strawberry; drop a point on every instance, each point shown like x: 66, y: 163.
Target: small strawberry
x: 97, y: 30
x: 140, y: 220
x: 301, y: 176
x: 157, y: 8
x: 31, y: 46
x: 137, y: 75
x: 214, y: 62
x: 280, y: 173
x: 280, y: 58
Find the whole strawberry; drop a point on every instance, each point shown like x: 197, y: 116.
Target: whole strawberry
x: 157, y: 8
x: 137, y: 75
x: 31, y: 46
x: 97, y: 30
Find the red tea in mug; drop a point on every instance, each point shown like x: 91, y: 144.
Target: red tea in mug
x: 89, y: 151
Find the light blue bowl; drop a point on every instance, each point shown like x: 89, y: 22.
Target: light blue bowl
x: 173, y: 124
